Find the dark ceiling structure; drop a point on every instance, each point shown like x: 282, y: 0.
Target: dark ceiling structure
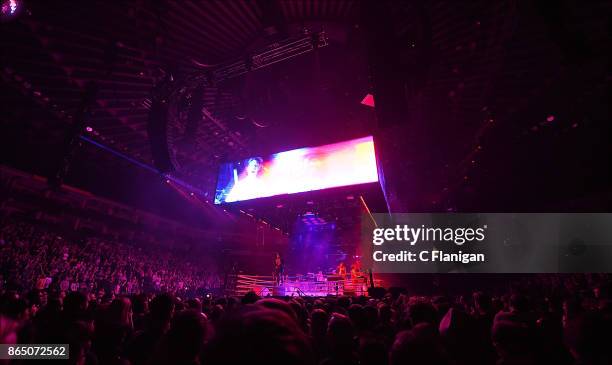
x: 476, y: 103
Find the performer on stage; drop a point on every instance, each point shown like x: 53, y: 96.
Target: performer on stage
x: 341, y: 269
x: 356, y: 273
x: 355, y: 270
x: 279, y: 269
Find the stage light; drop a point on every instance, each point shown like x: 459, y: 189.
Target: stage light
x: 368, y: 100
x: 89, y: 129
x: 9, y: 9
x: 550, y: 118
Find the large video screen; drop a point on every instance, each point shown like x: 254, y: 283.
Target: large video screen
x: 312, y: 168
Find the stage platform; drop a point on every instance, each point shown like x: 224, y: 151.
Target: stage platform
x: 299, y: 286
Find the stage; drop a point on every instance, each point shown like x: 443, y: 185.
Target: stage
x: 302, y: 285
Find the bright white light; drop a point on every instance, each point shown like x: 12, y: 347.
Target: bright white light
x: 305, y: 169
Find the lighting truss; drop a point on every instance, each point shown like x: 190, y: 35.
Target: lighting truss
x: 270, y: 55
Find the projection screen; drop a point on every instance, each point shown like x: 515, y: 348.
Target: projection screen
x: 305, y: 169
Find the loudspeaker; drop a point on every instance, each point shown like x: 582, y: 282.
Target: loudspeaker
x: 72, y: 136
x: 158, y: 137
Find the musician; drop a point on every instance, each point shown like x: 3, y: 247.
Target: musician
x: 279, y: 269
x: 249, y: 184
x: 356, y: 270
x: 341, y: 269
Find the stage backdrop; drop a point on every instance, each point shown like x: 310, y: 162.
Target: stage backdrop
x: 311, y: 168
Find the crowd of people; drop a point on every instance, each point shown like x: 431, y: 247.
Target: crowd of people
x: 32, y: 257
x: 543, y: 319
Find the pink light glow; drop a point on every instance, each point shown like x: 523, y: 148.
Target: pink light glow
x: 9, y: 7
x: 305, y: 169
x: 368, y: 100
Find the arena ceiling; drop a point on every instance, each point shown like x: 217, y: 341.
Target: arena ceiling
x: 471, y: 73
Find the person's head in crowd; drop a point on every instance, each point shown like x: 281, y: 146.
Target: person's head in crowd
x: 571, y: 308
x: 179, y: 305
x: 588, y: 338
x: 440, y: 304
x: 278, y: 304
x: 357, y: 316
x: 550, y: 328
x: 222, y: 301
x: 13, y: 306
x: 344, y: 302
x: 300, y: 316
x: 8, y: 332
x: 194, y: 304
x: 454, y: 323
x: 161, y: 311
x: 519, y: 303
x: 318, y: 323
x: 504, y: 302
x: 120, y: 312
x: 385, y: 313
x: 419, y: 346
x: 370, y: 315
x: 216, y: 313
x: 35, y: 298
x: 372, y: 351
x: 75, y: 306
x: 513, y: 341
x: 78, y: 336
x: 422, y: 312
x: 50, y: 312
x: 232, y: 303
x: 482, y: 303
x: 101, y: 295
x: 184, y: 340
x: 140, y: 304
x: 340, y: 334
x: 259, y: 335
x: 250, y: 298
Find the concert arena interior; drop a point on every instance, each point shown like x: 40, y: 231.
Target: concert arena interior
x: 223, y: 182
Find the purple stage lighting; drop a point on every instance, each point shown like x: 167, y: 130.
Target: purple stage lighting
x: 9, y: 9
